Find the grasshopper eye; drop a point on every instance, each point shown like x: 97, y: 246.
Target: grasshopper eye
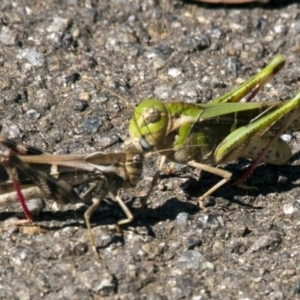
x: 152, y: 116
x: 146, y: 146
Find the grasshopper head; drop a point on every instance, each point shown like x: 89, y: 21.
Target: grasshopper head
x: 133, y: 164
x: 149, y: 124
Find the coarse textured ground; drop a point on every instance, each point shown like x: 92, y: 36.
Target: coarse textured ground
x: 247, y: 246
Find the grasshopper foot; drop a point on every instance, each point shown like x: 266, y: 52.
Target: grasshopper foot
x: 202, y: 204
x: 94, y: 248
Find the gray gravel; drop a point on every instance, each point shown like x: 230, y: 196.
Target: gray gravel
x: 245, y: 247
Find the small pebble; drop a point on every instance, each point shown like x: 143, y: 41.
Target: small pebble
x: 32, y: 56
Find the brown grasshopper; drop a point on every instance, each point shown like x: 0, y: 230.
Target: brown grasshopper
x: 33, y: 173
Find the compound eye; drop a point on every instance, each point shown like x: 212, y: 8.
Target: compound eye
x: 153, y: 115
x: 145, y: 145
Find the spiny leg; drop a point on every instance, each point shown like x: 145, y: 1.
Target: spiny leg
x: 263, y: 81
x: 9, y: 195
x: 93, y: 207
x: 254, y: 84
x: 247, y: 173
x: 237, y: 142
x: 6, y: 161
x: 87, y: 217
x: 54, y: 188
x: 222, y: 173
x: 144, y: 200
x: 234, y: 145
x: 127, y: 212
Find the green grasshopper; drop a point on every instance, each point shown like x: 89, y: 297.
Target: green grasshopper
x: 218, y: 132
x: 27, y: 172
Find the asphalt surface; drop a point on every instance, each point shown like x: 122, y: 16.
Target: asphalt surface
x: 246, y: 246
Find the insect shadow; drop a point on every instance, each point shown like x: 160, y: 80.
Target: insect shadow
x: 265, y: 179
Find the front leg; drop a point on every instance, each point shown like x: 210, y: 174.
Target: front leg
x: 87, y: 217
